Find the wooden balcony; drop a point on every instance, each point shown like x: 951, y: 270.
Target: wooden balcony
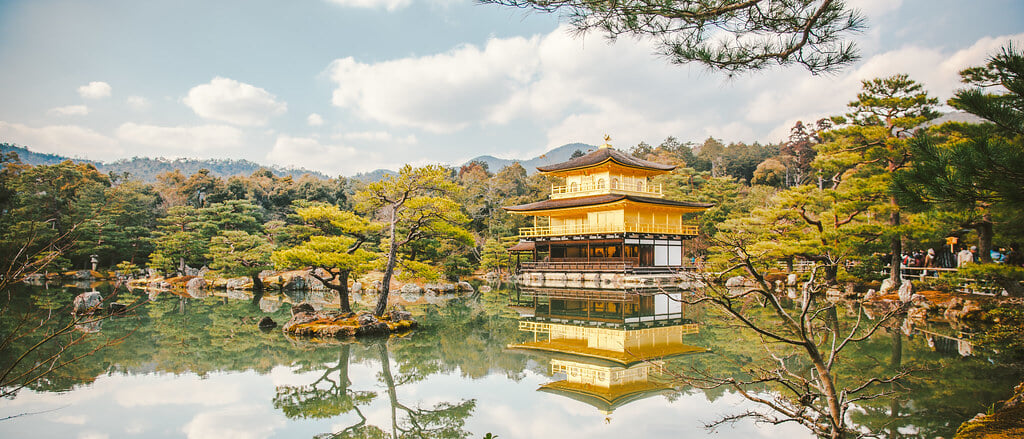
x: 581, y: 265
x: 646, y: 190
x: 590, y: 229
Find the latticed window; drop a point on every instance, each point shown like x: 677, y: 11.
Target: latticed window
x: 615, y: 183
x: 600, y: 183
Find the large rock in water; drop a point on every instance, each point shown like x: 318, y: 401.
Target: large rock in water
x: 303, y: 307
x: 87, y: 302
x: 411, y: 289
x: 266, y: 323
x: 195, y: 284
x: 906, y: 291
x: 239, y: 283
x: 887, y: 286
x: 735, y: 281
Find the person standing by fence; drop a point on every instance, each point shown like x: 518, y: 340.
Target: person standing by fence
x: 964, y: 257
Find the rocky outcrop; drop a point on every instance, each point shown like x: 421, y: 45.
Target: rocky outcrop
x: 266, y: 323
x: 197, y: 283
x: 86, y: 303
x: 887, y: 286
x: 906, y: 291
x: 238, y: 283
x: 411, y: 289
x: 303, y: 307
x: 117, y: 308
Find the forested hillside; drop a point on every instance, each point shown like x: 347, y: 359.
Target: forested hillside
x: 147, y: 169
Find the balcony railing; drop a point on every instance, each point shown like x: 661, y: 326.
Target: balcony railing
x: 645, y: 190
x: 588, y: 229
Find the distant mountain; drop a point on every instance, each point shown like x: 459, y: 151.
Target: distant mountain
x: 557, y: 155
x: 146, y: 169
x: 372, y: 176
x: 37, y: 158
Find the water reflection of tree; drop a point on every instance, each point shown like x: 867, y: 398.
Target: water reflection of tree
x: 443, y: 420
x: 43, y: 346
x: 329, y: 396
x: 332, y: 395
x: 942, y: 390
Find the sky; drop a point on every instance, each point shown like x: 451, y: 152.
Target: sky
x: 349, y: 86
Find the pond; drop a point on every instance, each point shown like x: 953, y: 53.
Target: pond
x: 199, y: 367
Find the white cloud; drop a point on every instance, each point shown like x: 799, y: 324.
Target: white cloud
x: 203, y: 138
x: 69, y: 140
x: 874, y: 8
x: 239, y: 422
x: 390, y: 5
x: 95, y: 90
x: 72, y: 419
x: 137, y: 102
x: 314, y: 120
x: 576, y: 89
x: 377, y: 136
x: 70, y: 110
x: 787, y: 97
x: 442, y: 93
x: 309, y: 153
x: 188, y: 391
x: 228, y: 100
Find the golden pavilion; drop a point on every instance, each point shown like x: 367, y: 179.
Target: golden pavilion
x: 606, y: 216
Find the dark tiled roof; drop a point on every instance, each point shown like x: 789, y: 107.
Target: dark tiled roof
x: 600, y: 199
x: 523, y: 246
x: 601, y: 155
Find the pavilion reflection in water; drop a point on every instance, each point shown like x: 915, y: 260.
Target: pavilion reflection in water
x: 610, y: 346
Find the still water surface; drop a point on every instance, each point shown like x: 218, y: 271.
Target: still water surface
x: 198, y: 368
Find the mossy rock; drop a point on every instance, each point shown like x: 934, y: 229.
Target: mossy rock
x: 1007, y: 423
x: 324, y: 324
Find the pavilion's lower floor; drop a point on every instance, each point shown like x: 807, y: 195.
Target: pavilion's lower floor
x: 607, y: 252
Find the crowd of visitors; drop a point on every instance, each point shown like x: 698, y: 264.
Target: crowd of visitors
x: 945, y: 258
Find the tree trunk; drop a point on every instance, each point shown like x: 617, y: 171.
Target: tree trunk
x: 389, y: 381
x: 343, y: 380
x: 896, y: 246
x: 389, y: 270
x: 385, y: 288
x: 831, y: 273
x: 343, y: 300
x: 828, y: 388
x: 984, y: 228
x: 341, y: 288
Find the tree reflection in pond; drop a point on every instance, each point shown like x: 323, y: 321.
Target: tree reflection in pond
x: 327, y: 397
x: 332, y: 395
x: 452, y: 378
